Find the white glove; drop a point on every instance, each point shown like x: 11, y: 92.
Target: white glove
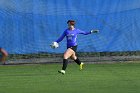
x: 54, y: 45
x: 94, y: 31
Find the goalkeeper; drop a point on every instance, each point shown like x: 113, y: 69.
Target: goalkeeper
x: 71, y: 35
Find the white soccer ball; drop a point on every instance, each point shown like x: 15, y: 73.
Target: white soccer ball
x: 54, y: 45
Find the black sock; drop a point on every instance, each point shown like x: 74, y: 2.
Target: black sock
x: 65, y: 63
x: 78, y: 61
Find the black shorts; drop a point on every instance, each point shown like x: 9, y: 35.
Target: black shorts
x: 74, y: 48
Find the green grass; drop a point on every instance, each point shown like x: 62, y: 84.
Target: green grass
x: 95, y: 78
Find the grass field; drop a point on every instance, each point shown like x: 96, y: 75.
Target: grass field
x: 95, y: 78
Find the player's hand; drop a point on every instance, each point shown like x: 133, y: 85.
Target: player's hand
x: 94, y: 31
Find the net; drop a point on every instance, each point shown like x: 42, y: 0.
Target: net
x: 27, y: 28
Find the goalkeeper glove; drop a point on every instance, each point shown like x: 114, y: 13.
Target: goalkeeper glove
x: 94, y: 31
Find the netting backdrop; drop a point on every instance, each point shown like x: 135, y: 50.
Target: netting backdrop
x: 29, y: 26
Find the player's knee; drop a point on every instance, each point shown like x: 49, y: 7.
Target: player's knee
x: 74, y: 57
x: 65, y: 56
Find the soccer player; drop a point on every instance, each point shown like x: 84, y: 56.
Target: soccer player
x: 4, y: 55
x: 71, y: 35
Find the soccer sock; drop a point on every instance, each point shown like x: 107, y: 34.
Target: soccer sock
x: 78, y: 61
x: 65, y: 63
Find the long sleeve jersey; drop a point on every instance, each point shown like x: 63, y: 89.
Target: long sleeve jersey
x: 71, y: 36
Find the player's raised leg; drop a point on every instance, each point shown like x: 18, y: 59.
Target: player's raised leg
x: 77, y: 60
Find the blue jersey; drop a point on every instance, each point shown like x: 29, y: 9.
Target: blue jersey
x: 71, y: 36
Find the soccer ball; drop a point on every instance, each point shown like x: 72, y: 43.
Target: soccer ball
x: 54, y: 45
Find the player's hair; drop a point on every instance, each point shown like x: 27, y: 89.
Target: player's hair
x: 72, y: 22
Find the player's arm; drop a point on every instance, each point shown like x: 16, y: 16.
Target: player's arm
x: 61, y: 37
x: 83, y: 32
x: 86, y: 33
x: 55, y: 43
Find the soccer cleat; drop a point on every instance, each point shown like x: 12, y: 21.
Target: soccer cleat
x: 62, y: 71
x: 81, y: 66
